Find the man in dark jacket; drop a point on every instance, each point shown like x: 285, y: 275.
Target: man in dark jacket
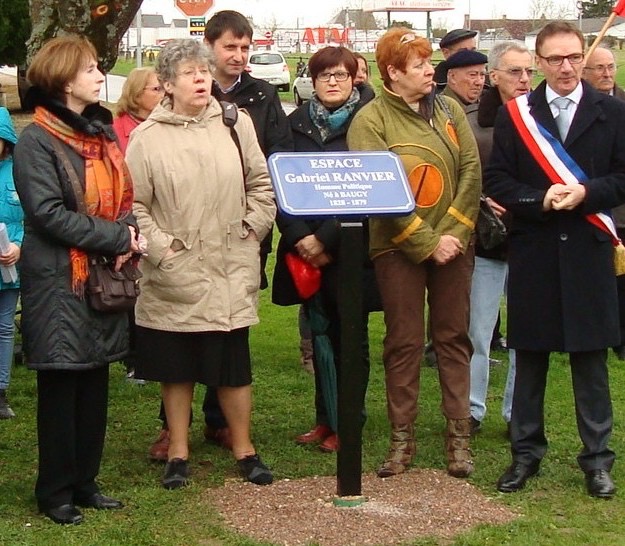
x: 599, y: 72
x: 229, y: 35
x: 511, y: 71
x: 562, y: 283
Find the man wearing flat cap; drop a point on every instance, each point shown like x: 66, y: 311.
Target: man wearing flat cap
x: 455, y: 40
x: 466, y: 74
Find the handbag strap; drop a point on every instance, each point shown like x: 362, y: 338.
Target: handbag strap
x: 73, y: 176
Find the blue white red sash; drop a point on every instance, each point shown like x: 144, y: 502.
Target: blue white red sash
x: 549, y: 153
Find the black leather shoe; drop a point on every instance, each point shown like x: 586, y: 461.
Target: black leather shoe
x: 176, y: 474
x: 99, y: 502
x: 66, y: 514
x: 514, y: 478
x: 599, y: 484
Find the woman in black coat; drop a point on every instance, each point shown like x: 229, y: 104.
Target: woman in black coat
x: 321, y: 125
x: 65, y: 340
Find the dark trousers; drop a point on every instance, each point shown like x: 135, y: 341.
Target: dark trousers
x: 71, y: 425
x: 213, y: 416
x: 593, y: 408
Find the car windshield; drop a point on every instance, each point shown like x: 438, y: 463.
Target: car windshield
x: 266, y: 58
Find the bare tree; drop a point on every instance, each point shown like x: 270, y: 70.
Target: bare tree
x: 440, y: 27
x: 104, y: 22
x: 271, y: 23
x: 549, y: 9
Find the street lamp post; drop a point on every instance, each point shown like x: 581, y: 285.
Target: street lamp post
x: 139, y: 50
x: 580, y: 7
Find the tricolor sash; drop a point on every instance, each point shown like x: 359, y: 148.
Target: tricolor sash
x: 559, y: 166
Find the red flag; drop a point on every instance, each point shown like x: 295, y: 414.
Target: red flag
x: 619, y: 9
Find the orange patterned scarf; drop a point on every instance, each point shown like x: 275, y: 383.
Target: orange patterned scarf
x: 108, y: 186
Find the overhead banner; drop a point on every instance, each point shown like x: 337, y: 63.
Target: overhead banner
x: 408, y: 5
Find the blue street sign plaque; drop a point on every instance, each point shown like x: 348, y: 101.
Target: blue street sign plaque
x: 340, y: 184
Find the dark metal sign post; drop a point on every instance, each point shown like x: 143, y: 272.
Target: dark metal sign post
x: 349, y: 186
x: 352, y: 379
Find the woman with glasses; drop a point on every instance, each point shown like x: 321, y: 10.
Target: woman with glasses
x: 429, y: 249
x: 140, y: 94
x: 204, y: 201
x: 320, y: 125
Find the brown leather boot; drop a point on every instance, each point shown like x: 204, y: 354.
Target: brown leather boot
x: 459, y: 463
x: 401, y: 451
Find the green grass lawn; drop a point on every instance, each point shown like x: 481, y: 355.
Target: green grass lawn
x: 555, y: 508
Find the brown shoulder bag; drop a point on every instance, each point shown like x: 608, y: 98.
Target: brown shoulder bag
x: 108, y: 291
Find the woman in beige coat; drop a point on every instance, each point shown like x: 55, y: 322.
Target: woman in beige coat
x: 203, y: 208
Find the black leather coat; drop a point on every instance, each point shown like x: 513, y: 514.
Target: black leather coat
x: 60, y: 331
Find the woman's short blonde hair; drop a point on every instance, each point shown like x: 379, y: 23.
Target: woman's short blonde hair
x: 396, y: 46
x: 58, y: 62
x: 133, y: 87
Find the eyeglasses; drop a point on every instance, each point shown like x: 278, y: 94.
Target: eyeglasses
x: 600, y: 68
x: 517, y: 72
x: 339, y: 76
x: 155, y: 88
x: 407, y: 38
x: 191, y: 72
x: 557, y: 60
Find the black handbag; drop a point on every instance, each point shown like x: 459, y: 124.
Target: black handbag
x: 490, y: 230
x: 108, y: 291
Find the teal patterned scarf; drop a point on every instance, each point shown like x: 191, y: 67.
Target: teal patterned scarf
x: 330, y: 122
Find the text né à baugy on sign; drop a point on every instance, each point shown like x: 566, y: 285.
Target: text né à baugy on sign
x: 343, y: 181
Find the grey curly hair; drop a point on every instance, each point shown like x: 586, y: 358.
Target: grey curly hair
x: 179, y: 51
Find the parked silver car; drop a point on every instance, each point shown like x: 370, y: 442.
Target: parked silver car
x: 302, y: 86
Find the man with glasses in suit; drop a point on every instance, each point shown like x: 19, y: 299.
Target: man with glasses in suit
x: 558, y: 160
